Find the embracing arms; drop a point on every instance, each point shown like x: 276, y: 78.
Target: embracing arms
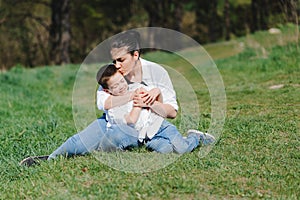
x: 134, y: 115
x: 113, y: 101
x: 153, y: 99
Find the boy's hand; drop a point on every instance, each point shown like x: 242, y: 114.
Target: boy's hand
x: 144, y: 98
x: 137, y: 98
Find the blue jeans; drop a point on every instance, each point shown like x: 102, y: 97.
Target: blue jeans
x: 98, y: 137
x: 168, y: 139
x: 120, y: 137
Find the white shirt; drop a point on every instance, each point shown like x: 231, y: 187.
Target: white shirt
x: 116, y: 115
x: 153, y: 75
x: 148, y: 122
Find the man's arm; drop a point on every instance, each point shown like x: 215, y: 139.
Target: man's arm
x: 159, y: 98
x: 164, y: 110
x: 156, y: 105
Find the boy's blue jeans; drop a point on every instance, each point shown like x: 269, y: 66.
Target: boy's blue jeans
x: 120, y: 137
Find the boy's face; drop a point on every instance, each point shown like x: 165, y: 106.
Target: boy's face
x: 117, y: 85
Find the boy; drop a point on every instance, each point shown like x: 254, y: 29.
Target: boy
x: 144, y: 121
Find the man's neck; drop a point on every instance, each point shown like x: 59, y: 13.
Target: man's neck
x: 136, y: 74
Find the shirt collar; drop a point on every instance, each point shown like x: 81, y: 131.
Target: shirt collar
x: 146, y: 72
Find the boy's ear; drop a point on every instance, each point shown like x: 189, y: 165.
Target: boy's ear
x: 106, y: 90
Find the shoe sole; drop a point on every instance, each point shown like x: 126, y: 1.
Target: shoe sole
x: 33, y: 160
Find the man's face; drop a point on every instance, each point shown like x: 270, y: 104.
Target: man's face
x: 124, y: 61
x: 117, y: 85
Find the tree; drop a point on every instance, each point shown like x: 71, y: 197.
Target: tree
x: 254, y: 9
x: 94, y: 21
x: 43, y: 32
x: 209, y: 23
x: 60, y: 28
x: 213, y: 21
x: 167, y: 14
x: 227, y: 19
x: 289, y: 8
x: 24, y: 32
x: 260, y: 14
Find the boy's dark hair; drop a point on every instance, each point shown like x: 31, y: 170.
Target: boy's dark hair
x: 104, y: 74
x: 130, y: 39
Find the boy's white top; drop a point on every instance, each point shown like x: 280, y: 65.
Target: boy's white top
x: 148, y: 122
x: 116, y: 115
x: 153, y: 75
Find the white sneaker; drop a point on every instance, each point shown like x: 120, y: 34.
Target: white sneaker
x: 205, y: 138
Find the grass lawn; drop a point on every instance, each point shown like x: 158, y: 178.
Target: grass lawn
x: 257, y: 155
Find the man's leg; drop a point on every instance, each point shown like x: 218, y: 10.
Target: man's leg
x: 160, y: 145
x: 83, y: 142
x: 79, y: 144
x: 98, y: 137
x: 94, y: 137
x: 119, y: 137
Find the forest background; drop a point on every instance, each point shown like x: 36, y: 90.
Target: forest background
x: 55, y: 32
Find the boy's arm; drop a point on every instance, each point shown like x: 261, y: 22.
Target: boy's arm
x: 133, y: 116
x: 113, y: 101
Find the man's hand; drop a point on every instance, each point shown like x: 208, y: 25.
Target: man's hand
x: 144, y: 98
x: 138, y: 98
x: 153, y: 100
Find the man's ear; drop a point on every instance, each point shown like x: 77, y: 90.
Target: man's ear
x: 136, y: 54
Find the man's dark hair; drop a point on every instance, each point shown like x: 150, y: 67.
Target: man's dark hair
x: 129, y: 39
x: 104, y: 74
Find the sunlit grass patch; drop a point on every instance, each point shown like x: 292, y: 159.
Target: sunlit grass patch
x: 257, y: 155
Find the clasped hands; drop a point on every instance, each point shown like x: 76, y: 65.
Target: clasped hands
x: 145, y: 99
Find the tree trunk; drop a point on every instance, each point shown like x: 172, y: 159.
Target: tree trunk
x: 60, y: 32
x: 154, y: 9
x: 213, y: 21
x: 264, y: 14
x: 178, y: 13
x: 227, y: 19
x: 254, y: 9
x: 291, y: 11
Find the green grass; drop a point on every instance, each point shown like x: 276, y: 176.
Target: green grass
x: 257, y: 156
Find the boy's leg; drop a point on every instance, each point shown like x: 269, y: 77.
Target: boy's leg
x: 168, y: 139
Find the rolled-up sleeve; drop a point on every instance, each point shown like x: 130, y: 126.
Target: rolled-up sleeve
x: 167, y: 90
x: 155, y: 75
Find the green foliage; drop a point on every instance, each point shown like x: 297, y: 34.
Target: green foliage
x: 257, y: 156
x: 25, y: 25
